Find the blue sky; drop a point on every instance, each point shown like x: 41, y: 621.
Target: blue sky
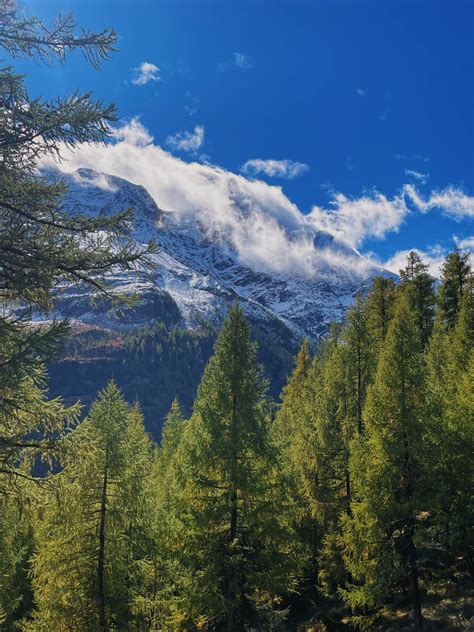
x: 355, y: 98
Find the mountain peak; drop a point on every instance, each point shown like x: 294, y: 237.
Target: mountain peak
x: 204, y: 263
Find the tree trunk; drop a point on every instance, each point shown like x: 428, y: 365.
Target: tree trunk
x: 415, y: 588
x: 101, y: 557
x: 232, y: 624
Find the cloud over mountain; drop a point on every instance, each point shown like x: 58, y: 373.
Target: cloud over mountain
x: 286, y: 169
x: 266, y: 229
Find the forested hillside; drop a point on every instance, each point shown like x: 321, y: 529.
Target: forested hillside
x: 345, y: 504
x: 352, y: 507
x: 155, y: 364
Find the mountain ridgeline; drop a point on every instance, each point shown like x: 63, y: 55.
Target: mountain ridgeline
x: 182, y: 295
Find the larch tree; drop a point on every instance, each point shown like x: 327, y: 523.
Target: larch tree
x: 239, y: 546
x: 379, y: 308
x: 98, y: 519
x: 380, y: 535
x: 456, y: 274
x: 42, y: 245
x: 418, y: 285
x: 163, y: 571
x: 294, y: 433
x: 451, y: 434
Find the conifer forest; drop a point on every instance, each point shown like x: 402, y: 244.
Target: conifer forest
x: 345, y: 502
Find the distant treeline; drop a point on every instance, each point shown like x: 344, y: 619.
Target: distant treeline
x: 158, y: 363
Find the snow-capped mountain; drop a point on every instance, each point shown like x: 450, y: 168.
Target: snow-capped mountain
x: 202, y: 267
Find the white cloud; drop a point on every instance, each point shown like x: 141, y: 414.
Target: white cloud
x: 451, y: 201
x: 355, y: 220
x: 287, y: 169
x: 417, y: 157
x: 465, y: 243
x: 433, y: 256
x: 145, y: 73
x: 243, y: 61
x: 264, y: 227
x: 133, y: 133
x: 421, y: 177
x: 187, y: 141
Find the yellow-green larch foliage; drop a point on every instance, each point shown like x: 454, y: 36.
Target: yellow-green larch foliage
x: 418, y: 286
x: 380, y: 536
x: 94, y: 531
x: 451, y: 433
x: 239, y: 549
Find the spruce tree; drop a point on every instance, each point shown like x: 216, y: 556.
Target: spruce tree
x: 380, y: 536
x: 238, y: 548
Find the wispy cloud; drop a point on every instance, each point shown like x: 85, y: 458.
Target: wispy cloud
x: 421, y: 177
x: 360, y: 92
x: 465, y: 243
x: 145, y: 73
x: 286, y: 169
x: 434, y: 255
x: 417, y: 157
x: 266, y: 229
x: 451, y: 201
x: 187, y: 141
x: 354, y: 220
x: 133, y: 133
x: 373, y: 215
x: 243, y: 61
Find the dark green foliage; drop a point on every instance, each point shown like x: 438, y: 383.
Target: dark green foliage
x: 156, y: 364
x: 417, y: 284
x: 456, y: 276
x: 41, y: 245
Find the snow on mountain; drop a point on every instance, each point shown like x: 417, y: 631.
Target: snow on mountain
x: 203, y: 266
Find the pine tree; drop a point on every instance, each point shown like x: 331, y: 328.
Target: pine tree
x: 380, y: 535
x: 238, y: 547
x: 97, y: 520
x: 455, y: 276
x: 418, y: 286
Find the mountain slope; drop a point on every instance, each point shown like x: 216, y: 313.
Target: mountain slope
x: 199, y: 267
